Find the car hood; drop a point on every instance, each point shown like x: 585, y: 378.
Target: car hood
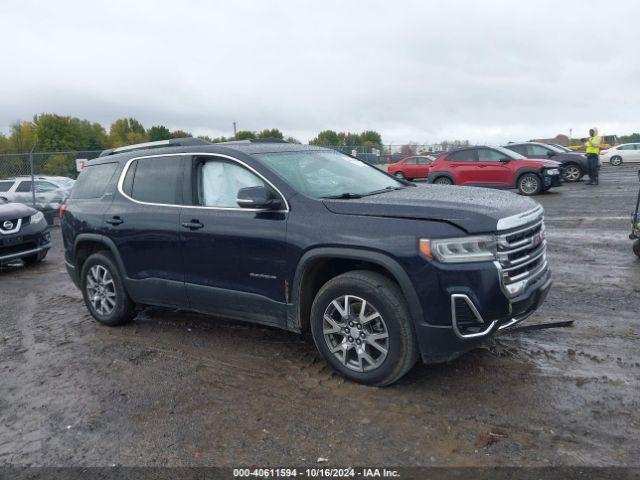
x: 11, y: 211
x: 475, y: 210
x: 546, y: 163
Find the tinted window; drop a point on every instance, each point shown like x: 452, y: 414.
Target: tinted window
x: 410, y: 161
x: 93, y: 181
x: 626, y: 147
x: 518, y: 148
x: 5, y: 186
x: 424, y: 161
x: 489, y: 155
x: 462, y: 156
x: 537, y: 150
x: 24, y: 186
x: 219, y: 182
x: 156, y: 180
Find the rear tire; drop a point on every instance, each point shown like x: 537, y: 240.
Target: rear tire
x: 616, y: 161
x: 529, y: 184
x: 372, y: 344
x: 103, y: 291
x: 636, y: 248
x: 443, y: 181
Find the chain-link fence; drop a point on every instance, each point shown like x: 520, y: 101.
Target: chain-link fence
x: 62, y: 164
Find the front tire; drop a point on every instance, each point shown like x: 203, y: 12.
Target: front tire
x: 400, y: 175
x: 361, y: 325
x: 34, y: 259
x: 572, y: 173
x: 529, y: 184
x: 103, y: 291
x: 616, y: 161
x: 443, y: 181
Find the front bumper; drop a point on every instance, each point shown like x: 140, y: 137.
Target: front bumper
x: 439, y: 343
x: 552, y: 180
x: 31, y: 240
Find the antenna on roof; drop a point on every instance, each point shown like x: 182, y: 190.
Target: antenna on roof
x: 172, y: 142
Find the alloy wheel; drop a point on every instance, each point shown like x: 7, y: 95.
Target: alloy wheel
x: 529, y: 185
x: 572, y: 173
x: 355, y: 333
x: 443, y: 181
x: 101, y: 290
x: 616, y: 161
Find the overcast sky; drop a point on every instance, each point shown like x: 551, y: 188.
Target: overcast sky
x: 487, y: 71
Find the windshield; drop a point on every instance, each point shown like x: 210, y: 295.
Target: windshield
x: 555, y: 148
x: 510, y: 153
x: 562, y: 149
x: 326, y: 174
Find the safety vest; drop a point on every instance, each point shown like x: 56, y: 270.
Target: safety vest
x: 593, y: 145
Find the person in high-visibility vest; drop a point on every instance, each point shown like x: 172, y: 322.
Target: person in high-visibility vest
x: 592, y: 149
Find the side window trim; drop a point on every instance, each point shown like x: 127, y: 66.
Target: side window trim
x: 188, y: 171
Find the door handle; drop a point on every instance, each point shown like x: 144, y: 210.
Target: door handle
x: 114, y: 221
x: 193, y: 225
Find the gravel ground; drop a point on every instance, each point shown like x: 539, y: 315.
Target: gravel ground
x: 179, y: 389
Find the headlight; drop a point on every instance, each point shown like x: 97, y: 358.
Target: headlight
x: 460, y: 250
x: 36, y: 217
x: 553, y: 171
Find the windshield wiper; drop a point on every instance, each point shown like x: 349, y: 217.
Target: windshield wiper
x: 382, y: 190
x: 345, y: 195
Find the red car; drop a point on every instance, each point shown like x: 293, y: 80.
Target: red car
x: 495, y: 167
x: 414, y: 166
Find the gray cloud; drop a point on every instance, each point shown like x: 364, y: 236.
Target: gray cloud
x: 488, y: 71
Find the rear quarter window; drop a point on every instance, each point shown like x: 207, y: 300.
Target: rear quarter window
x: 93, y: 181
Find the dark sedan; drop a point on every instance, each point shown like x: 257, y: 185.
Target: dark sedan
x: 574, y: 165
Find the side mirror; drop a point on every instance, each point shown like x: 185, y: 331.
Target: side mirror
x: 551, y: 154
x: 261, y: 198
x: 505, y: 160
x: 6, y: 200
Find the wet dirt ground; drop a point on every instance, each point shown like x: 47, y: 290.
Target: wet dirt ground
x: 174, y: 388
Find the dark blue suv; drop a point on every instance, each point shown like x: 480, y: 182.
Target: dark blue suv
x: 377, y: 269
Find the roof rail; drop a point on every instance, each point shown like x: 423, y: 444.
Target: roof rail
x: 172, y: 142
x: 254, y: 140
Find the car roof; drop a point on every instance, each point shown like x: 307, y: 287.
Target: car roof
x: 224, y: 148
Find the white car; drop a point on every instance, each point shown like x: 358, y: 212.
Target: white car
x: 625, y: 153
x: 50, y: 191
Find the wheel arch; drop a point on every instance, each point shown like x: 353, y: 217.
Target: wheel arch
x: 86, y: 244
x: 523, y: 171
x: 318, y: 266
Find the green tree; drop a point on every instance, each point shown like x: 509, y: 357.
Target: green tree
x: 158, y: 132
x: 180, y: 134
x: 271, y: 133
x: 63, y: 165
x: 89, y: 136
x: 22, y: 138
x: 292, y: 140
x: 245, y: 135
x: 633, y: 138
x: 55, y: 133
x: 126, y: 131
x: 326, y: 137
x: 4, y: 143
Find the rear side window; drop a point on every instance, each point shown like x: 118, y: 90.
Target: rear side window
x: 521, y: 149
x: 93, y: 181
x: 5, y: 186
x: 462, y: 156
x: 154, y: 180
x: 24, y: 186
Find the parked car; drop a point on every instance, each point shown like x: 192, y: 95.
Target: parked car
x: 574, y: 165
x: 411, y: 167
x: 24, y: 234
x: 297, y: 237
x: 50, y: 192
x: 625, y: 153
x: 495, y: 167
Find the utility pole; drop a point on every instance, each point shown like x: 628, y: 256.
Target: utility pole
x: 234, y: 130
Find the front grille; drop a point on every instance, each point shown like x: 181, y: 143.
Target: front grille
x: 522, y: 255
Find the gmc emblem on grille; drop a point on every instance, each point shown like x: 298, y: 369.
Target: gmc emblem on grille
x: 7, y: 225
x: 536, y: 240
